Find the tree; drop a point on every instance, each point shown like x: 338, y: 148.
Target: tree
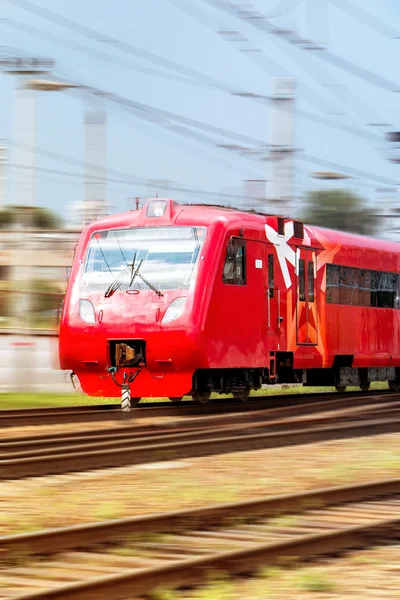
x: 46, y: 219
x: 28, y: 216
x: 339, y: 209
x: 6, y: 217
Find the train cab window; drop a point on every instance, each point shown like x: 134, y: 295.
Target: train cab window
x: 271, y: 275
x: 310, y: 281
x: 302, y: 280
x: 235, y: 263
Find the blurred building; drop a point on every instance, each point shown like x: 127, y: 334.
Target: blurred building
x: 34, y: 270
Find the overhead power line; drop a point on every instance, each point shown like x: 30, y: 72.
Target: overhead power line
x: 365, y: 17
x: 118, y: 176
x: 127, y: 64
x: 98, y: 54
x: 152, y: 115
x: 282, y: 8
x: 204, y: 79
x: 253, y: 53
x: 242, y: 44
x: 190, y: 75
x: 347, y: 170
x: 116, y: 44
x: 257, y: 20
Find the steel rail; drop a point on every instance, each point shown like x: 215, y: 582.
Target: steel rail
x: 368, y: 515
x: 52, y: 541
x: 270, y: 414
x: 11, y: 449
x: 127, y: 455
x: 101, y: 412
x: 376, y: 402
x: 194, y: 571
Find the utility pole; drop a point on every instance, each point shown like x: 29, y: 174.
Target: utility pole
x: 24, y: 135
x: 95, y: 204
x: 391, y: 214
x: 25, y: 122
x: 254, y: 194
x: 137, y: 202
x: 282, y: 145
x: 3, y: 174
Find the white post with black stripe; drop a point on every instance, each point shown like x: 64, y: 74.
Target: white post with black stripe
x: 125, y: 398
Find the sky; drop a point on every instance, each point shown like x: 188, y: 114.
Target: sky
x: 141, y: 150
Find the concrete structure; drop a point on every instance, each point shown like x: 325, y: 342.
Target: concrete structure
x: 281, y: 156
x: 24, y: 152
x: 3, y: 174
x: 95, y: 205
x: 254, y: 195
x: 24, y: 135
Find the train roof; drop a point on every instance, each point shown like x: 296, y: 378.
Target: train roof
x: 206, y: 214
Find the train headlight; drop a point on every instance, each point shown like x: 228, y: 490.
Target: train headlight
x: 86, y: 311
x: 174, y: 310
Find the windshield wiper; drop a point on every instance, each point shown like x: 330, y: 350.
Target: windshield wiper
x: 116, y: 283
x: 150, y: 285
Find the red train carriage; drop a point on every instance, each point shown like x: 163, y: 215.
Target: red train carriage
x: 188, y: 299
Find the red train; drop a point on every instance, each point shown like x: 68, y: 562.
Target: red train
x: 193, y: 299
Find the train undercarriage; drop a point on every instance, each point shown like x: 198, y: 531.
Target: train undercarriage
x: 240, y: 382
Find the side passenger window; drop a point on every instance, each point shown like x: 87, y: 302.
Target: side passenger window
x: 235, y: 263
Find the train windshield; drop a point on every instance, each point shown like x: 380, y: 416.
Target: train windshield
x: 167, y: 257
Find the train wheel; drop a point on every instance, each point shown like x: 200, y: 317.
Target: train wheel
x: 340, y: 388
x: 176, y: 399
x: 394, y: 386
x: 365, y: 385
x: 243, y: 395
x: 202, y: 396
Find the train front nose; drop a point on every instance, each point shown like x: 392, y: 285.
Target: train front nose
x: 131, y: 333
x: 129, y: 308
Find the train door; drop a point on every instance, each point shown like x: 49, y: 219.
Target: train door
x: 306, y: 307
x: 273, y: 297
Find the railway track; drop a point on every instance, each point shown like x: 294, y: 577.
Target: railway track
x: 103, y: 412
x: 131, y: 557
x: 55, y: 454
